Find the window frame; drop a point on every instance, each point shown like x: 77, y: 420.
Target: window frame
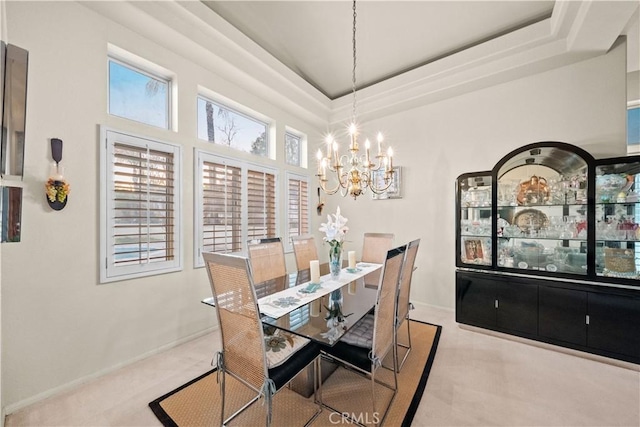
x: 289, y: 176
x: 108, y: 271
x: 145, y: 68
x: 201, y: 156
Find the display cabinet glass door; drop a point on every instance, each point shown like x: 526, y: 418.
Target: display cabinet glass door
x: 474, y: 192
x: 617, y: 215
x: 542, y: 210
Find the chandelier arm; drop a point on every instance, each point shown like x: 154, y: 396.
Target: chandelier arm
x: 342, y: 183
x: 379, y: 190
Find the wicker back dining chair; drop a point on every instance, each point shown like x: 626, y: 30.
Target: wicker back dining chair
x: 404, y: 304
x: 364, y: 347
x: 243, y: 353
x: 305, y: 250
x: 267, y: 259
x: 374, y: 249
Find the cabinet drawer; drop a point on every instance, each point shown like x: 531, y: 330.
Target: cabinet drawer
x: 562, y: 315
x: 614, y: 324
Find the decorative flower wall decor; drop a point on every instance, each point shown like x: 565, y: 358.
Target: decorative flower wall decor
x: 57, y: 190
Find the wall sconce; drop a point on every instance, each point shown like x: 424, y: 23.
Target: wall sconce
x: 57, y: 188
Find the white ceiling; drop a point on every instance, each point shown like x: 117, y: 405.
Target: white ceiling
x: 314, y: 38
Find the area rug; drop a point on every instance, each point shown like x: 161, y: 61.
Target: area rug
x: 197, y: 403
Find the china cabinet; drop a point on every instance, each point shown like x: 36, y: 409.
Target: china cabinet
x: 548, y: 248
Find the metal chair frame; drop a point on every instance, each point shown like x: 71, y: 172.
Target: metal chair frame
x: 404, y: 304
x: 243, y: 354
x: 384, y: 332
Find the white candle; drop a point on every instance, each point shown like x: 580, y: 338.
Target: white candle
x: 315, y: 308
x: 352, y: 259
x: 315, y: 271
x: 353, y: 287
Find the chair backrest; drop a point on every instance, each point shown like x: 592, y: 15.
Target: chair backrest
x: 374, y: 249
x: 305, y: 250
x: 405, y: 280
x: 267, y: 259
x: 384, y: 325
x: 238, y: 317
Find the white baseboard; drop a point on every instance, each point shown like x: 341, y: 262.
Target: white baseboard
x: 75, y: 383
x: 559, y: 349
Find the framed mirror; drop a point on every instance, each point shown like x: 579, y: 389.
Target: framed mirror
x: 11, y: 213
x: 14, y: 75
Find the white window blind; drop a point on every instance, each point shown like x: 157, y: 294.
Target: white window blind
x: 297, y: 206
x: 141, y: 194
x: 235, y: 201
x: 261, y: 200
x: 222, y: 208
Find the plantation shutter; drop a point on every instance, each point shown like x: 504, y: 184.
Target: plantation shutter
x: 221, y: 208
x: 298, y: 207
x: 143, y: 208
x: 261, y: 204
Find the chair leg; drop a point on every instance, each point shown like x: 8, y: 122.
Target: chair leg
x: 406, y: 346
x: 222, y: 398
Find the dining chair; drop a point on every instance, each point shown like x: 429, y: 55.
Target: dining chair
x: 244, y: 354
x: 371, y: 339
x: 305, y: 250
x: 374, y: 249
x: 404, y: 304
x: 267, y: 259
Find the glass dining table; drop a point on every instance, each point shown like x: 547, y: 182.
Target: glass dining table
x: 292, y: 304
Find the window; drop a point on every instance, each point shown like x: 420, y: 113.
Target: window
x: 292, y: 149
x: 223, y: 125
x: 140, y: 212
x: 235, y: 202
x: 138, y: 95
x: 297, y: 207
x: 633, y: 124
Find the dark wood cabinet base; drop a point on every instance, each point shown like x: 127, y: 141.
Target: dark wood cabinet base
x: 594, y: 318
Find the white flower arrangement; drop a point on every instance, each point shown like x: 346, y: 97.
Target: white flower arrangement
x: 336, y: 229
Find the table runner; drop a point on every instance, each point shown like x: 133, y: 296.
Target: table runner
x: 280, y: 303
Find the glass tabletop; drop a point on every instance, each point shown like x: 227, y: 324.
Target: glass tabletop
x: 310, y: 319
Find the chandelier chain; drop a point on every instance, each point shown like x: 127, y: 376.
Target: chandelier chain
x: 353, y: 74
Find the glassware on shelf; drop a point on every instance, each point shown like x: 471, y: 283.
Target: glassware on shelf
x: 609, y: 187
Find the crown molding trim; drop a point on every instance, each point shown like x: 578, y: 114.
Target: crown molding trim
x: 576, y: 30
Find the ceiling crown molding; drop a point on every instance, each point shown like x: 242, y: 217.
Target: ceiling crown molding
x: 577, y: 30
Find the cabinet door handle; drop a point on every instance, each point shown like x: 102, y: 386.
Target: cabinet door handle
x: 587, y: 319
x: 496, y: 304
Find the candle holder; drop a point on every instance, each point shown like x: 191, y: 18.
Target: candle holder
x: 57, y: 188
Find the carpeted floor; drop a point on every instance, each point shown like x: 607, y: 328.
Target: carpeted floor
x: 197, y: 403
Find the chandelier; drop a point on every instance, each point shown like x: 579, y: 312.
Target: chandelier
x: 355, y: 173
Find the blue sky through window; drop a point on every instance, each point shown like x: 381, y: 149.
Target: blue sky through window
x: 633, y: 125
x: 138, y: 96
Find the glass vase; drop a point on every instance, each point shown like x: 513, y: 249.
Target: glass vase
x: 335, y: 261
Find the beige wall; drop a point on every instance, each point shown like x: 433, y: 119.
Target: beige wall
x: 59, y: 326
x: 582, y: 104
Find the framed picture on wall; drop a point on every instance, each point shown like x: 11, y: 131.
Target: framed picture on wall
x: 393, y: 192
